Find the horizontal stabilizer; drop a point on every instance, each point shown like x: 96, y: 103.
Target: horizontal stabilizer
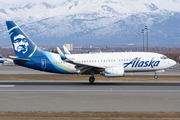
x: 19, y: 59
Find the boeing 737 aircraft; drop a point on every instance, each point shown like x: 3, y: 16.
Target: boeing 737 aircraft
x: 107, y: 64
x: 2, y: 60
x: 5, y: 60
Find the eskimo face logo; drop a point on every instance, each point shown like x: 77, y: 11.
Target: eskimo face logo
x: 20, y: 44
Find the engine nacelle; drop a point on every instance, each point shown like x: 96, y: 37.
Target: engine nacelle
x: 114, y: 72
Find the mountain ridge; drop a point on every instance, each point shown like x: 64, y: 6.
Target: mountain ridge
x: 110, y: 21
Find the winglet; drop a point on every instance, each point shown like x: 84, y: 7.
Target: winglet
x: 66, y: 50
x: 63, y: 57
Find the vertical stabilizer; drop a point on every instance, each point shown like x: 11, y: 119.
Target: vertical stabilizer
x: 22, y: 44
x: 1, y: 56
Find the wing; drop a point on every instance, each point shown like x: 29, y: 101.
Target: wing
x: 83, y: 68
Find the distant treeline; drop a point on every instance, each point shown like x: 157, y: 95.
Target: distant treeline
x: 173, y: 53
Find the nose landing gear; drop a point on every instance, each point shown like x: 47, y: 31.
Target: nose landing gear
x: 155, y: 76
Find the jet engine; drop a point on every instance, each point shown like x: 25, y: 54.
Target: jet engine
x: 114, y: 72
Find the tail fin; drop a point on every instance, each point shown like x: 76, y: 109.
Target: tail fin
x: 66, y: 50
x: 1, y: 56
x: 22, y: 44
x: 63, y: 57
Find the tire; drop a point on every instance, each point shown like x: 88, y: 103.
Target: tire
x: 91, y: 79
x: 155, y: 77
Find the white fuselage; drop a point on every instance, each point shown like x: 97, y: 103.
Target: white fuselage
x: 130, y: 61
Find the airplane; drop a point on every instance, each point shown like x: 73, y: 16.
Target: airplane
x: 28, y: 54
x: 2, y: 59
x: 5, y: 60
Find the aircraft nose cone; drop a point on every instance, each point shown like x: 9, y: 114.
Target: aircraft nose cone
x: 172, y: 62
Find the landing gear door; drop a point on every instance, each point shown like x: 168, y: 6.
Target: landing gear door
x: 43, y: 63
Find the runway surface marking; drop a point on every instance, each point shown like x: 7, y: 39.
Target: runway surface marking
x: 7, y: 86
x: 154, y: 91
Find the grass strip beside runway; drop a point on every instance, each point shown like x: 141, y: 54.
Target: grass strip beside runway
x: 90, y: 115
x: 59, y: 77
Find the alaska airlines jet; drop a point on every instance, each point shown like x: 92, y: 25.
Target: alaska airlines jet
x: 5, y: 60
x: 107, y: 64
x: 2, y: 60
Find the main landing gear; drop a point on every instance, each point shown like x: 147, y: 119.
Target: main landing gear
x: 91, y: 79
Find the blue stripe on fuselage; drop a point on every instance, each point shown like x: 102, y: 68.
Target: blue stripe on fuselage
x: 48, y: 55
x: 35, y: 63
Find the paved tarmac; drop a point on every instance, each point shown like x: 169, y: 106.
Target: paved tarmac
x: 82, y: 96
x: 20, y: 70
x: 22, y: 96
x: 23, y: 70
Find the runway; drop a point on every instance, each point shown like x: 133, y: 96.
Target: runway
x: 82, y: 96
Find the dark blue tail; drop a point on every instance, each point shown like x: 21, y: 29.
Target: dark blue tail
x: 23, y: 46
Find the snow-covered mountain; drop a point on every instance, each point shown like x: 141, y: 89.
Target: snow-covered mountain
x: 107, y: 22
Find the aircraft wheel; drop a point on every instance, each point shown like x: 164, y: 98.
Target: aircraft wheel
x: 91, y: 79
x: 155, y: 77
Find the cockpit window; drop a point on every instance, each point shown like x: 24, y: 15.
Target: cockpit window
x: 164, y: 57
